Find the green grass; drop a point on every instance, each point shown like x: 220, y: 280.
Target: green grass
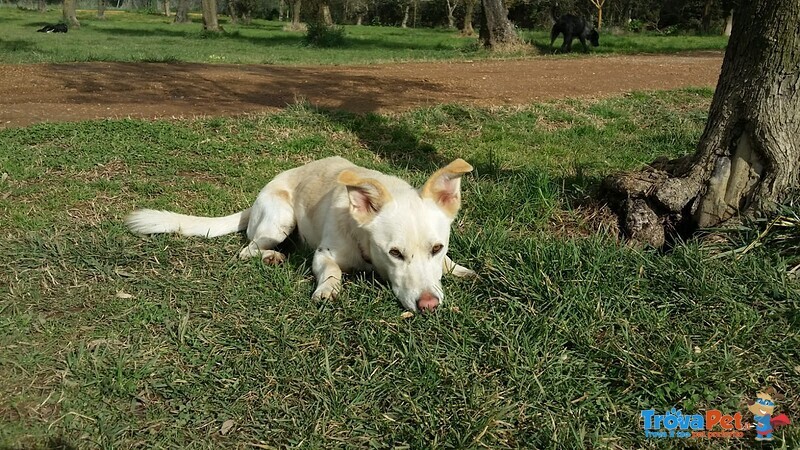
x: 127, y: 36
x: 112, y: 340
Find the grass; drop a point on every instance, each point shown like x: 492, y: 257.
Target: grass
x: 128, y: 36
x: 111, y: 340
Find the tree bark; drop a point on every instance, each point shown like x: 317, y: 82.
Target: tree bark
x: 210, y: 22
x: 748, y: 158
x: 101, y: 9
x: 497, y: 32
x: 296, y: 14
x: 182, y: 12
x: 324, y: 13
x: 469, y: 9
x: 728, y: 24
x: 404, y: 24
x: 69, y: 14
x: 599, y: 5
x: 166, y: 8
x: 451, y: 6
x: 706, y: 19
x: 232, y: 11
x: 42, y: 4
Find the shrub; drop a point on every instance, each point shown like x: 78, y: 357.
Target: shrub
x: 322, y: 35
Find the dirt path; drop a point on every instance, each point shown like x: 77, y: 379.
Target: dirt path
x: 66, y: 92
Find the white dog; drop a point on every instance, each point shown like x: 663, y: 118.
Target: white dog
x: 355, y: 218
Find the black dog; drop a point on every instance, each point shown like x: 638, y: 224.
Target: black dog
x: 57, y: 28
x: 572, y: 27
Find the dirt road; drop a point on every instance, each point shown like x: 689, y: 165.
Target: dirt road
x: 69, y: 92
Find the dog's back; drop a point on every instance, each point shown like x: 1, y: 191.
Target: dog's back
x: 572, y: 26
x: 57, y: 28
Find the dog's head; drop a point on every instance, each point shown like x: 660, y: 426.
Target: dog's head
x: 409, y: 230
x: 594, y: 38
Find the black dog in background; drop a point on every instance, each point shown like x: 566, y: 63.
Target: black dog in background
x: 572, y: 26
x: 57, y: 28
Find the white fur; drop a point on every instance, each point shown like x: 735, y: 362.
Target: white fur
x: 355, y: 218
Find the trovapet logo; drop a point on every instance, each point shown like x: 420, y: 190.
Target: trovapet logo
x: 674, y: 424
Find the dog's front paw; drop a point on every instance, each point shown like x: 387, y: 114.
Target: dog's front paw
x: 463, y: 272
x: 272, y: 258
x: 328, y: 290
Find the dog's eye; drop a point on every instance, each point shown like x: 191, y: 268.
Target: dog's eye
x: 436, y: 249
x: 395, y: 253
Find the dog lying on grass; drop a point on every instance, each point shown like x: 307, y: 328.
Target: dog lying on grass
x: 572, y: 26
x: 57, y: 28
x: 355, y: 219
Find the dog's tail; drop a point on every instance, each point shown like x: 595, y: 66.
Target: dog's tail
x: 150, y: 221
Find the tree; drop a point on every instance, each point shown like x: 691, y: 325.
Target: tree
x: 497, y: 32
x: 451, y: 7
x: 182, y: 12
x: 69, y: 14
x: 599, y: 5
x: 295, y: 25
x: 210, y: 22
x: 42, y: 6
x: 748, y: 158
x: 101, y: 9
x: 404, y: 23
x: 469, y: 9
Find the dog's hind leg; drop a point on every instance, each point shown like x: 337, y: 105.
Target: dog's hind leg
x: 457, y: 270
x: 583, y: 41
x: 554, y: 34
x: 271, y: 221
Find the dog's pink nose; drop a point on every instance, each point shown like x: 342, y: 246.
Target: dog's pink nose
x: 427, y: 302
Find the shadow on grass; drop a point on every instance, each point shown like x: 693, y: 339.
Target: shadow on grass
x: 389, y: 139
x: 17, y: 45
x: 545, y: 48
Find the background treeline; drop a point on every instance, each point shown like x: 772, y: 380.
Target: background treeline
x: 665, y: 16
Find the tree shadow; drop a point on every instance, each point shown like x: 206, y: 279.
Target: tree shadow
x: 17, y: 45
x: 199, y: 35
x: 544, y: 48
x: 389, y: 138
x: 212, y: 88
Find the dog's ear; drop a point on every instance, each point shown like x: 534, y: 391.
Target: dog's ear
x: 367, y: 196
x: 444, y: 186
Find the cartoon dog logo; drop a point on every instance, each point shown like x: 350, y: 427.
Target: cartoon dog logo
x: 762, y: 410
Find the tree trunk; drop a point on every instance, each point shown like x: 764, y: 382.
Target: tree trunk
x: 182, y: 12
x: 728, y: 24
x: 101, y: 9
x: 469, y: 9
x: 324, y: 13
x: 232, y: 11
x: 359, y: 19
x: 497, y: 32
x: 210, y: 22
x: 706, y: 19
x: 296, y: 14
x: 166, y: 8
x: 451, y: 6
x: 42, y: 6
x: 599, y: 5
x: 748, y: 158
x: 404, y: 24
x: 69, y: 14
